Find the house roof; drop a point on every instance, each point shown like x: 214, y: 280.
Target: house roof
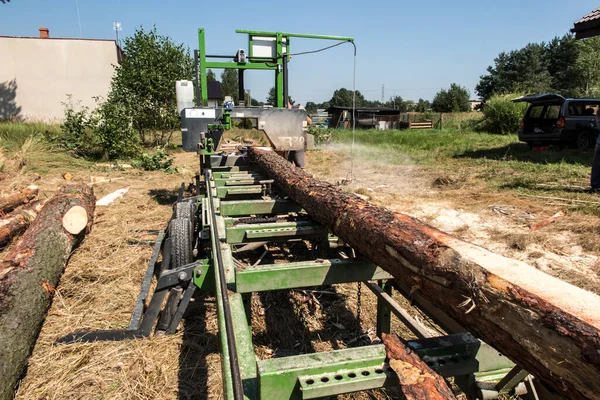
x: 214, y: 90
x: 588, y: 26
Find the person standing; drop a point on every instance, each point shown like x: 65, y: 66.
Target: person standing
x: 595, y: 178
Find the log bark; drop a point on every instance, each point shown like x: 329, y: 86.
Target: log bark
x: 28, y: 275
x: 417, y: 380
x: 17, y: 221
x: 9, y: 203
x: 547, y: 326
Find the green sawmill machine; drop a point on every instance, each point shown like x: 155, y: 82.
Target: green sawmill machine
x: 235, y: 205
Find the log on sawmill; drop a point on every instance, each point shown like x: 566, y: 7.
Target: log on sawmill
x: 545, y: 325
x: 417, y: 380
x: 30, y: 272
x: 13, y: 201
x: 17, y: 221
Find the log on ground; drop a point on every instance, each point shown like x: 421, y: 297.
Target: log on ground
x: 17, y: 221
x: 9, y: 203
x: 28, y: 275
x: 417, y: 380
x: 545, y: 325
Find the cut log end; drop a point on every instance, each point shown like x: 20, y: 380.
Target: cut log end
x: 75, y: 220
x: 417, y: 379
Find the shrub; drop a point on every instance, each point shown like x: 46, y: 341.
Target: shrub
x: 159, y: 161
x: 113, y: 132
x: 105, y: 132
x: 503, y: 116
x: 322, y: 134
x: 77, y: 135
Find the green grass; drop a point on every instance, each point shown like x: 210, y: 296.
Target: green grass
x: 500, y: 162
x: 26, y: 145
x: 14, y: 134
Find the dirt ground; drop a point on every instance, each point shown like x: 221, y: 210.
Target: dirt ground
x: 101, y: 281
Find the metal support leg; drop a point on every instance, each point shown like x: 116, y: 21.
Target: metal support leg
x: 384, y: 317
x: 247, y: 300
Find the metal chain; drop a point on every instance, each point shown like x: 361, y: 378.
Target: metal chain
x: 358, y: 308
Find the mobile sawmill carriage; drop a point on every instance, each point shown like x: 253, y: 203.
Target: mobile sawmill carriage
x: 245, y: 197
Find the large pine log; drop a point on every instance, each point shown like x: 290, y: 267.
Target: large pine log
x: 13, y: 201
x: 30, y: 272
x: 17, y: 221
x: 417, y: 380
x: 547, y: 326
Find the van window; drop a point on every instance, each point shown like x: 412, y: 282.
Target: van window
x: 552, y: 112
x: 582, y: 108
x: 536, y: 111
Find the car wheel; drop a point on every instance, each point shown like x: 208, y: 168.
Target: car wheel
x: 583, y: 141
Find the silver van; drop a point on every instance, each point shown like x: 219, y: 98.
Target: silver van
x: 553, y: 119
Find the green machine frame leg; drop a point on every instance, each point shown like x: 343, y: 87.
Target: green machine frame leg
x: 384, y: 315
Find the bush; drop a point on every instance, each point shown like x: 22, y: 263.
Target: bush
x: 322, y: 134
x: 503, y: 116
x: 105, y: 132
x: 159, y: 161
x: 77, y: 136
x: 113, y: 132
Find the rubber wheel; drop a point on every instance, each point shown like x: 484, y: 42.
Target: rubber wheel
x: 583, y: 141
x: 181, y: 234
x: 185, y: 209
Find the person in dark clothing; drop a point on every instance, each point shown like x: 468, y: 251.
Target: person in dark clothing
x: 296, y: 157
x: 595, y: 178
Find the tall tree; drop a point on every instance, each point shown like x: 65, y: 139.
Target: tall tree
x: 397, y: 103
x: 143, y: 82
x: 588, y: 66
x: 311, y: 107
x: 344, y: 97
x: 229, y: 84
x: 422, y: 105
x: 455, y: 99
x: 210, y: 76
x: 272, y: 97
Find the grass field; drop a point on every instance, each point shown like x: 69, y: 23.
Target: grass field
x: 500, y: 161
x: 453, y: 179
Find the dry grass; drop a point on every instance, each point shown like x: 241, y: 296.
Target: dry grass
x: 101, y: 282
x: 98, y: 290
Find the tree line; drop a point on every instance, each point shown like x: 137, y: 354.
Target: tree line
x: 563, y: 65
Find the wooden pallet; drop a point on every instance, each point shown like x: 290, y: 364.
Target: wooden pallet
x: 420, y: 125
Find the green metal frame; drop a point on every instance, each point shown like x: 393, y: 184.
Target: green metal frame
x: 255, y: 63
x: 326, y: 373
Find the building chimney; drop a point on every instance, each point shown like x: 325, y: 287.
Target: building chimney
x: 44, y: 33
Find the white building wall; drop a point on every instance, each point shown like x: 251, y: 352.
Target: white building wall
x: 40, y: 73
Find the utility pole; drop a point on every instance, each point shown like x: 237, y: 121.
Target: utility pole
x: 382, y: 92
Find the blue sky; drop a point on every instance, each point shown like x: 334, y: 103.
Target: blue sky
x: 413, y: 48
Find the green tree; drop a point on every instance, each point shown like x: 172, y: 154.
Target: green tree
x: 455, y: 99
x: 524, y: 70
x: 229, y: 84
x: 422, y: 106
x: 144, y: 83
x: 588, y: 66
x: 311, y: 107
x: 210, y: 76
x: 272, y: 97
x: 343, y: 97
x: 397, y: 103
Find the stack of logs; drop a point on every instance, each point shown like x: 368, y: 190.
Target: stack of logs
x: 31, y: 269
